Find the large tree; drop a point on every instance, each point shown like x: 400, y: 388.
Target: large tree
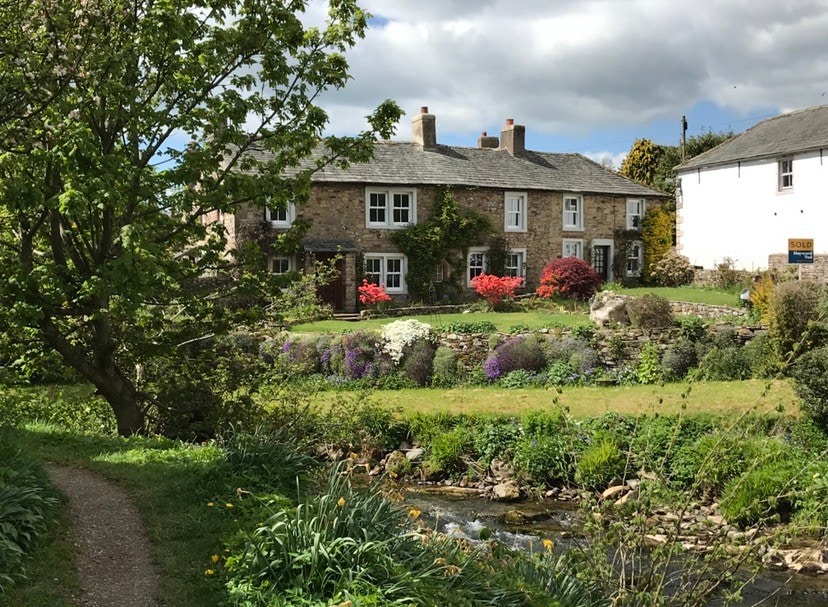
x: 124, y: 122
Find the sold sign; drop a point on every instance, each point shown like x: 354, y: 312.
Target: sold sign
x: 800, y: 250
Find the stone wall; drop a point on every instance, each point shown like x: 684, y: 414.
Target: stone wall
x: 614, y: 346
x: 817, y: 271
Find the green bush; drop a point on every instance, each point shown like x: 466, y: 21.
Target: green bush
x: 447, y: 450
x: 810, y: 374
x: 548, y: 459
x: 812, y: 502
x: 672, y: 270
x: 725, y: 364
x: 762, y: 357
x: 27, y: 503
x: 77, y: 410
x: 496, y: 439
x: 517, y: 379
x: 650, y: 312
x: 648, y: 370
x: 658, y: 439
x: 599, y: 465
x: 794, y: 308
x: 544, y: 423
x: 679, y: 358
x: 469, y: 327
x: 764, y: 494
x: 446, y: 368
x: 692, y: 327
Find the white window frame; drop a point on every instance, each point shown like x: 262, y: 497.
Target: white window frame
x: 442, y: 272
x: 515, y: 211
x: 474, y: 251
x: 785, y: 181
x: 578, y: 224
x: 291, y: 264
x: 630, y: 257
x: 519, y: 270
x: 384, y: 274
x: 635, y: 210
x: 286, y: 222
x: 569, y: 243
x: 388, y: 222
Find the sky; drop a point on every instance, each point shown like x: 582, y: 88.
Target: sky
x: 587, y: 76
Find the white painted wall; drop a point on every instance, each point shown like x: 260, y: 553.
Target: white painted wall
x: 737, y: 211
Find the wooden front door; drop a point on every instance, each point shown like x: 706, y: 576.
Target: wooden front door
x: 601, y: 261
x: 333, y: 293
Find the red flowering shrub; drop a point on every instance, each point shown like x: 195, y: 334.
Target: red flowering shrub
x: 495, y: 288
x: 371, y: 294
x: 568, y: 277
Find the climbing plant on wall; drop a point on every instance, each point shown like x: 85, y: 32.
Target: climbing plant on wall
x: 657, y: 236
x: 444, y: 238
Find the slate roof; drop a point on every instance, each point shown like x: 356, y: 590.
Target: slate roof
x: 398, y: 163
x: 782, y: 135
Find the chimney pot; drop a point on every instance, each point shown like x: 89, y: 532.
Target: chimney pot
x: 424, y: 109
x: 510, y: 121
x: 484, y: 134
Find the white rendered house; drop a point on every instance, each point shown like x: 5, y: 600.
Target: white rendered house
x: 745, y: 198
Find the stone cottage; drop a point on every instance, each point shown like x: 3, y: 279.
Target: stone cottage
x: 547, y: 205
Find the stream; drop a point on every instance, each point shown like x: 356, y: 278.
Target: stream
x: 472, y: 517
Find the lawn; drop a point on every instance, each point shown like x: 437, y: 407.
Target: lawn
x: 714, y: 397
x: 535, y: 319
x: 503, y: 321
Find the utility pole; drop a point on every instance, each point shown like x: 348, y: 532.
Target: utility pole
x: 683, y: 136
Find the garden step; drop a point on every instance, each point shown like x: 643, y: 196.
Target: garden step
x: 347, y: 317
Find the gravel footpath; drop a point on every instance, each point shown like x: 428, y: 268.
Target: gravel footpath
x: 114, y: 562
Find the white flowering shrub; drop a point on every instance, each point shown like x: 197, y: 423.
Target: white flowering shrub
x: 672, y: 270
x: 398, y: 335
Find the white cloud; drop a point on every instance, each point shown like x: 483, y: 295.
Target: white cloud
x: 570, y: 67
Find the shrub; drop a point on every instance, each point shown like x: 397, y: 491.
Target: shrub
x: 546, y: 459
x: 692, y: 327
x: 679, y: 358
x: 656, y: 235
x: 372, y: 295
x: 562, y: 374
x: 810, y: 375
x: 520, y: 378
x: 495, y: 288
x: 648, y: 369
x: 672, y: 270
x: 361, y: 356
x: 479, y: 326
x: 447, y: 450
x: 658, y: 439
x: 418, y: 363
x: 400, y: 334
x: 519, y: 352
x: 761, y: 295
x: 794, y: 306
x: 301, y: 355
x: 764, y: 494
x: 496, y: 439
x: 725, y: 364
x: 446, y: 369
x: 599, y: 465
x: 265, y: 459
x: 762, y: 357
x: 569, y: 277
x: 650, y: 312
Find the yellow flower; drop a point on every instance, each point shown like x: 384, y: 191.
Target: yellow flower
x: 414, y: 513
x: 209, y: 572
x: 210, y: 504
x: 548, y: 544
x: 341, y: 502
x: 229, y: 505
x: 215, y: 558
x: 452, y: 570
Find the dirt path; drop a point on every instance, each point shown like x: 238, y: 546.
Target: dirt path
x: 115, y: 568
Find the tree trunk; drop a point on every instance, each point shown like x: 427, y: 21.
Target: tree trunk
x: 125, y: 402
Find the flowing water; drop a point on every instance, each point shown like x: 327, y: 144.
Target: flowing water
x: 473, y: 518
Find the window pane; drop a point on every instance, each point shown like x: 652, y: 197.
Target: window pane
x: 402, y: 207
x: 376, y: 208
x: 393, y: 273
x: 476, y: 264
x: 373, y: 270
x: 280, y: 265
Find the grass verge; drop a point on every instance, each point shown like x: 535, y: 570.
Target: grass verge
x: 587, y: 401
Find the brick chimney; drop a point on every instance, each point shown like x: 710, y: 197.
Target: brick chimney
x: 513, y: 137
x: 484, y: 141
x: 424, y: 128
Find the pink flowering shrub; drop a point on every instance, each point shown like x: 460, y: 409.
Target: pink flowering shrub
x: 372, y: 295
x: 568, y: 277
x: 495, y: 288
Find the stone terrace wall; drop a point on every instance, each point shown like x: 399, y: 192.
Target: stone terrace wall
x: 817, y: 271
x: 614, y: 346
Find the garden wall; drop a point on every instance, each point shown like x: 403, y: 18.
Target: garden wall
x: 614, y: 346
x: 817, y: 271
